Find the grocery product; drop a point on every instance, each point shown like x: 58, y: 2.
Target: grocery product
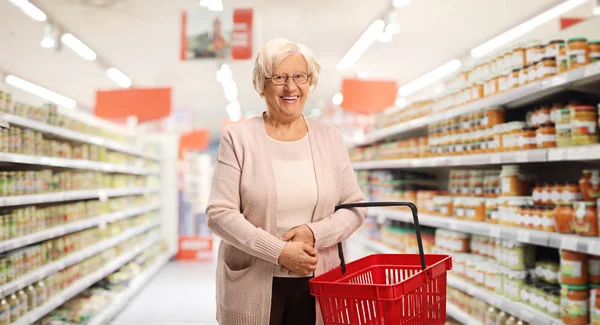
x: 573, y: 268
x: 585, y: 218
x: 589, y: 184
x: 577, y: 52
x: 584, y: 127
x: 575, y: 305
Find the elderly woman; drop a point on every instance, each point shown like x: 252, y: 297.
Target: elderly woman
x: 276, y: 182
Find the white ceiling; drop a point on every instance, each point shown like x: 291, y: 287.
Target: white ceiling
x: 141, y: 38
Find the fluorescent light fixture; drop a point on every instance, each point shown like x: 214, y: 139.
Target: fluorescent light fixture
x: 401, y: 102
x: 47, y: 43
x: 224, y: 74
x: 118, y: 77
x: 234, y: 111
x: 231, y: 91
x: 362, y: 74
x: 392, y: 28
x: 596, y: 7
x: 214, y: 5
x: 524, y: 28
x: 40, y: 91
x: 30, y: 10
x: 429, y: 78
x: 384, y: 37
x: 337, y: 99
x: 363, y: 43
x: 78, y: 47
x: 401, y: 3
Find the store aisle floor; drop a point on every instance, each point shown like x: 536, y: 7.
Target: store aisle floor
x: 181, y: 294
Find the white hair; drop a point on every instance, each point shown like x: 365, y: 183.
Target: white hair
x: 273, y: 53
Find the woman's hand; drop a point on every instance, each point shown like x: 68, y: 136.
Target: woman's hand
x: 300, y: 234
x: 299, y: 258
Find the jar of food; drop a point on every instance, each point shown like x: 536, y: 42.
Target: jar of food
x: 527, y: 138
x: 512, y: 320
x: 569, y: 193
x: 475, y: 209
x: 548, y: 221
x: 536, y: 194
x: 545, y: 136
x: 594, y: 269
x: 537, y: 220
x: 595, y: 305
x: 4, y: 312
x: 578, y: 52
x: 562, y: 59
x: 573, y: 268
x: 585, y: 218
x: 491, y: 211
x: 513, y: 182
x: 584, y: 125
x: 490, y: 316
x: 594, y: 51
x: 532, y: 73
x: 14, y: 303
x: 513, y: 283
x: 574, y: 305
x: 512, y: 132
x: 552, y: 48
x: 513, y: 79
x: 563, y: 128
x: 589, y: 184
x: 563, y: 214
x: 531, y: 52
x: 553, y: 306
x: 524, y: 75
x: 502, y: 318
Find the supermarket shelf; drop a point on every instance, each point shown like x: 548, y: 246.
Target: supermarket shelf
x: 587, y: 245
x: 579, y: 153
x: 74, y: 227
x: 81, y: 285
x: 514, y: 97
x: 123, y: 298
x: 460, y: 315
x: 74, y: 135
x: 6, y: 201
x: 516, y: 309
x: 72, y: 163
x: 72, y: 259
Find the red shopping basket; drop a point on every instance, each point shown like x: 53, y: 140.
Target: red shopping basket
x: 385, y: 289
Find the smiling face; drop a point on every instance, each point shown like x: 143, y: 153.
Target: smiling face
x: 286, y: 102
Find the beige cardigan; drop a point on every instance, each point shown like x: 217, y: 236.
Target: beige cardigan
x: 242, y: 210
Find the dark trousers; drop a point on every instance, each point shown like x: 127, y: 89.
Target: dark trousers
x: 292, y: 303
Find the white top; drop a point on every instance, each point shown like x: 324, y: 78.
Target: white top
x: 296, y: 186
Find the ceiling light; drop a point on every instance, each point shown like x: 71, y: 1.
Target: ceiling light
x: 401, y: 102
x: 47, y: 43
x: 430, y: 77
x: 363, y: 43
x: 596, y: 7
x: 30, y: 10
x: 338, y: 98
x: 234, y: 111
x: 524, y: 28
x: 118, y: 77
x: 384, y: 37
x: 40, y: 91
x: 214, y: 5
x: 231, y: 91
x: 78, y: 47
x: 392, y: 28
x: 401, y: 3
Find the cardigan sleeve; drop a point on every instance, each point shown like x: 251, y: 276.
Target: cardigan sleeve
x: 223, y: 211
x: 341, y: 224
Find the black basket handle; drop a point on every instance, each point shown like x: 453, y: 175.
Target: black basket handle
x: 415, y: 213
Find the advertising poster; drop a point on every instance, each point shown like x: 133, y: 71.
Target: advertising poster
x: 210, y: 34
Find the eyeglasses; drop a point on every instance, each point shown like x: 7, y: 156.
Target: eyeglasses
x: 281, y: 79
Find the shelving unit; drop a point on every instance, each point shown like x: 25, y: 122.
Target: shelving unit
x: 460, y: 315
x: 515, y: 97
x: 67, y: 134
x: 6, y: 201
x: 541, y: 238
x: 74, y: 227
x: 73, y: 163
x: 123, y: 298
x: 72, y: 259
x: 83, y: 284
x: 516, y: 309
x: 580, y: 153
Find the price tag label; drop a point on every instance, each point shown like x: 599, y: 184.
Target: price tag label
x: 527, y: 316
x: 593, y: 248
x: 523, y: 236
x: 569, y: 243
x: 496, y: 159
x: 592, y: 69
x: 495, y: 302
x: 102, y: 196
x: 102, y: 224
x: 453, y: 226
x: 495, y: 232
x: 559, y: 80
